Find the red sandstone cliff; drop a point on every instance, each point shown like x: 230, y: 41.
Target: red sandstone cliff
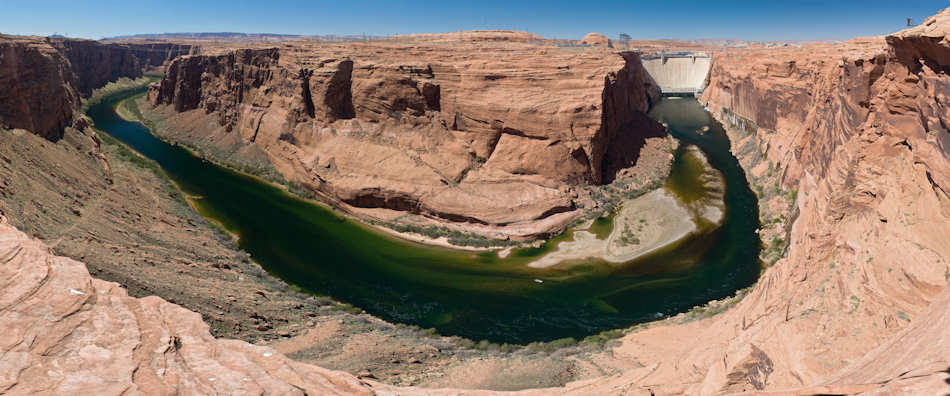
x: 96, y: 64
x: 484, y: 135
x: 42, y: 79
x: 860, y: 131
x: 37, y: 85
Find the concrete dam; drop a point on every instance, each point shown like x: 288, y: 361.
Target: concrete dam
x: 678, y: 73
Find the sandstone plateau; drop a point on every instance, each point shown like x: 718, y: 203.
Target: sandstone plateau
x: 847, y: 145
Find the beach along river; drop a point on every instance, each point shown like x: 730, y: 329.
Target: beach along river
x: 476, y: 295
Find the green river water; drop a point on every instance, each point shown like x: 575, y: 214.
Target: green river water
x: 472, y: 294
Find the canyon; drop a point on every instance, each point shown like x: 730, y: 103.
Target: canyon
x: 448, y: 133
x: 499, y: 135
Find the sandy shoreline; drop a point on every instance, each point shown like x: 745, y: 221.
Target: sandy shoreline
x: 646, y: 224
x: 642, y: 226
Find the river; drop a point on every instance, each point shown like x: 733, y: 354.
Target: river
x: 475, y: 295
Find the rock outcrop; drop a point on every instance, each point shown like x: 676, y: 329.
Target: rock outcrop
x: 38, y: 87
x: 63, y: 332
x: 860, y: 131
x: 488, y: 136
x: 96, y: 64
x: 42, y: 79
x: 596, y: 39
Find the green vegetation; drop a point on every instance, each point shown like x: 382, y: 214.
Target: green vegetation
x: 344, y: 307
x: 126, y: 154
x: 628, y: 237
x: 120, y: 85
x: 609, y: 197
x: 454, y: 237
x: 129, y: 109
x: 855, y: 303
x: 766, y: 187
x: 602, y: 226
x: 717, y: 307
x: 599, y: 340
x: 603, y: 338
x: 296, y: 189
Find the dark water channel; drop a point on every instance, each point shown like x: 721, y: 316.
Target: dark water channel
x: 473, y: 295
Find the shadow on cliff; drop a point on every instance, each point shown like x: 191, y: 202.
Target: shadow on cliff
x: 624, y: 150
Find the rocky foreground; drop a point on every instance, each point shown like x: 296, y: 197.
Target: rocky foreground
x: 64, y: 332
x: 854, y: 136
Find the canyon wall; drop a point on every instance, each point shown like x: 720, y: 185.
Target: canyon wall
x: 38, y: 87
x: 42, y: 79
x: 492, y: 136
x: 857, y: 134
x: 854, y: 138
x: 96, y: 64
x: 856, y: 303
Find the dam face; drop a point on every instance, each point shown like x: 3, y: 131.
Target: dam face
x: 679, y: 73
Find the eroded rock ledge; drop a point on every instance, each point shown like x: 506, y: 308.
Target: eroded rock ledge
x: 492, y: 137
x: 63, y: 332
x: 43, y: 79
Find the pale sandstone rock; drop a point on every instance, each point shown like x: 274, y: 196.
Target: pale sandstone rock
x: 62, y: 332
x: 596, y: 39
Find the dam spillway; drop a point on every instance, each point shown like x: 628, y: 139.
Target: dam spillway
x: 678, y: 73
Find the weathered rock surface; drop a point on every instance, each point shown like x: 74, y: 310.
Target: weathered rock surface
x: 42, y: 79
x: 38, y: 87
x: 96, y: 64
x: 859, y: 130
x: 491, y: 136
x: 63, y: 332
x: 596, y: 39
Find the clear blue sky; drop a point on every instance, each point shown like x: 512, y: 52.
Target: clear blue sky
x: 684, y: 19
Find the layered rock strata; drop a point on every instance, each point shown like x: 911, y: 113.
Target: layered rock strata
x: 43, y: 79
x: 859, y: 130
x: 96, y: 64
x: 489, y: 136
x: 63, y: 332
x: 38, y: 87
